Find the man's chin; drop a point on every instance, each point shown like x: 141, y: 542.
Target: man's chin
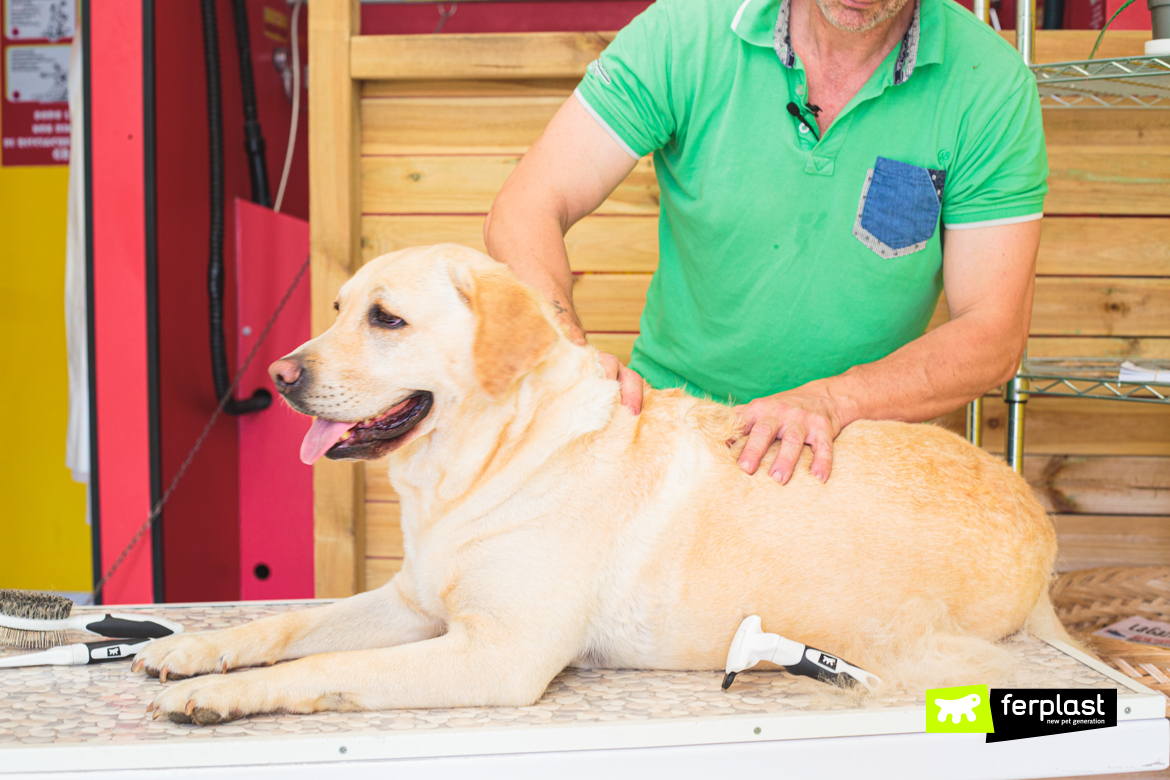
x: 858, y: 19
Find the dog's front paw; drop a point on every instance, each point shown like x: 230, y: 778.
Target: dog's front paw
x: 179, y: 656
x: 209, y: 700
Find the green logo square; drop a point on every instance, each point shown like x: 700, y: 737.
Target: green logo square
x: 962, y: 710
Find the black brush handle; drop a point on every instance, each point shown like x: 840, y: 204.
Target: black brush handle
x: 129, y: 627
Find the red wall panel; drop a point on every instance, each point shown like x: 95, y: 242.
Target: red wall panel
x: 560, y: 16
x: 119, y: 293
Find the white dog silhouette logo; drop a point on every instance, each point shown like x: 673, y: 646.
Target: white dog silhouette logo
x: 958, y: 708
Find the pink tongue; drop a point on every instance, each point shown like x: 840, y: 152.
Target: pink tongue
x: 321, y: 436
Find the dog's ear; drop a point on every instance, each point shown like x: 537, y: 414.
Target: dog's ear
x: 511, y: 332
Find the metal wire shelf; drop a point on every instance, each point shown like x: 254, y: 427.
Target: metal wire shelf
x: 1124, y: 82
x: 1092, y: 378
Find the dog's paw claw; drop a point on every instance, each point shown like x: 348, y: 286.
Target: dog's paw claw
x: 162, y: 674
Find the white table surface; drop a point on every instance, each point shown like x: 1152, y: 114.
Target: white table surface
x: 91, y: 722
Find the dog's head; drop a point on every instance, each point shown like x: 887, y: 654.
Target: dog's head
x: 417, y: 332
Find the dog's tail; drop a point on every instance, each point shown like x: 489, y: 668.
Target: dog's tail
x: 1043, y: 623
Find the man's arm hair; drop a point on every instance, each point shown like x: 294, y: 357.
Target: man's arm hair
x: 570, y: 170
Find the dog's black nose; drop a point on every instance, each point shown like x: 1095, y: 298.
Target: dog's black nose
x: 285, y: 374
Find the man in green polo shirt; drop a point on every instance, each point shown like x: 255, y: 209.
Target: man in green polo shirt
x: 826, y: 168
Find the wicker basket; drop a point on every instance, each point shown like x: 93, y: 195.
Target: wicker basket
x: 1091, y: 599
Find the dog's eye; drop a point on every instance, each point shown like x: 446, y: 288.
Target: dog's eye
x: 381, y: 318
x: 336, y: 306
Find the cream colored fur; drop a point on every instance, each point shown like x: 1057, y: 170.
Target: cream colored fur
x: 546, y: 526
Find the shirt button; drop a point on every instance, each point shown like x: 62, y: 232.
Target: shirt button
x: 804, y: 128
x: 800, y: 89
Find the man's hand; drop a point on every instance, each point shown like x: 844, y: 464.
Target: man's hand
x: 805, y: 415
x: 629, y: 379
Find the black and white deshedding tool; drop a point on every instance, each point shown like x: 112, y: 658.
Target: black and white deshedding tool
x: 35, y: 621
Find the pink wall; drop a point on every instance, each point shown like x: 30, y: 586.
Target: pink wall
x: 119, y: 247
x: 1136, y: 17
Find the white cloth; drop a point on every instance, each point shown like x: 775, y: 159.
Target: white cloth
x: 76, y: 331
x: 1137, y: 374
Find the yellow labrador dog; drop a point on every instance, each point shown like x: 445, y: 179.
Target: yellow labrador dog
x: 545, y: 526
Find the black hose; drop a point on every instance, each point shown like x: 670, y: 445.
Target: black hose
x: 1053, y: 14
x: 253, y: 137
x: 261, y: 399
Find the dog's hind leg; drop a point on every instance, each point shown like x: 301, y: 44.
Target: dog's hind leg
x: 380, y: 618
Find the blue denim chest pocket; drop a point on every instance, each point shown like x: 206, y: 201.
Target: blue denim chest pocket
x: 899, y: 207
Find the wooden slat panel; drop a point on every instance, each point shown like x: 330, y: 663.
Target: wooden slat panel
x: 1075, y: 426
x: 469, y: 88
x: 1083, y: 180
x: 1108, y: 180
x: 1071, y: 484
x: 619, y: 344
x: 1087, y: 541
x: 468, y: 185
x: 1070, y: 246
x: 482, y: 56
x: 1105, y: 127
x: 596, y: 243
x: 1102, y: 306
x: 1072, y: 45
x: 383, y: 530
x: 610, y: 301
x: 510, y: 123
x: 1058, y: 346
x: 504, y: 125
x: 1095, y: 306
x: 379, y: 571
x: 378, y: 486
x: 565, y: 55
x: 335, y: 235
x: 1105, y: 246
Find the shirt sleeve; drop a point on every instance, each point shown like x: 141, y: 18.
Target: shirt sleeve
x: 1001, y: 168
x: 627, y: 89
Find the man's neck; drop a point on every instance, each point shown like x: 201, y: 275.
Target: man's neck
x: 822, y: 41
x: 838, y: 62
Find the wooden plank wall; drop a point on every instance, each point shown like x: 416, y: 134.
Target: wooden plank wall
x: 434, y: 151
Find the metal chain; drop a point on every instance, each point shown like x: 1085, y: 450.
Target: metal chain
x: 97, y: 589
x: 444, y: 15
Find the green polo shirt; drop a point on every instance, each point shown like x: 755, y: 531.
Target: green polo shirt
x: 784, y: 258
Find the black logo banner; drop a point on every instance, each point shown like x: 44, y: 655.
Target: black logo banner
x: 1021, y: 713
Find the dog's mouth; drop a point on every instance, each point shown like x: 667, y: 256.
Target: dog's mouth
x: 368, y: 439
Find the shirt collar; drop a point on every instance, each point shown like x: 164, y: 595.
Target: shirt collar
x: 764, y: 23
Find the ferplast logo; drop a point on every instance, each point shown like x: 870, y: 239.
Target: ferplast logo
x: 1006, y: 714
x: 962, y: 710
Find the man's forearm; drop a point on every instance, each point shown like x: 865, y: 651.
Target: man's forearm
x: 567, y: 173
x: 931, y: 375
x: 533, y: 246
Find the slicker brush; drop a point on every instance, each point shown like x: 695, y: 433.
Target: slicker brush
x: 32, y: 605
x: 36, y: 621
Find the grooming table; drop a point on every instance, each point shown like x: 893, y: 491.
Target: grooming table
x: 91, y: 722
